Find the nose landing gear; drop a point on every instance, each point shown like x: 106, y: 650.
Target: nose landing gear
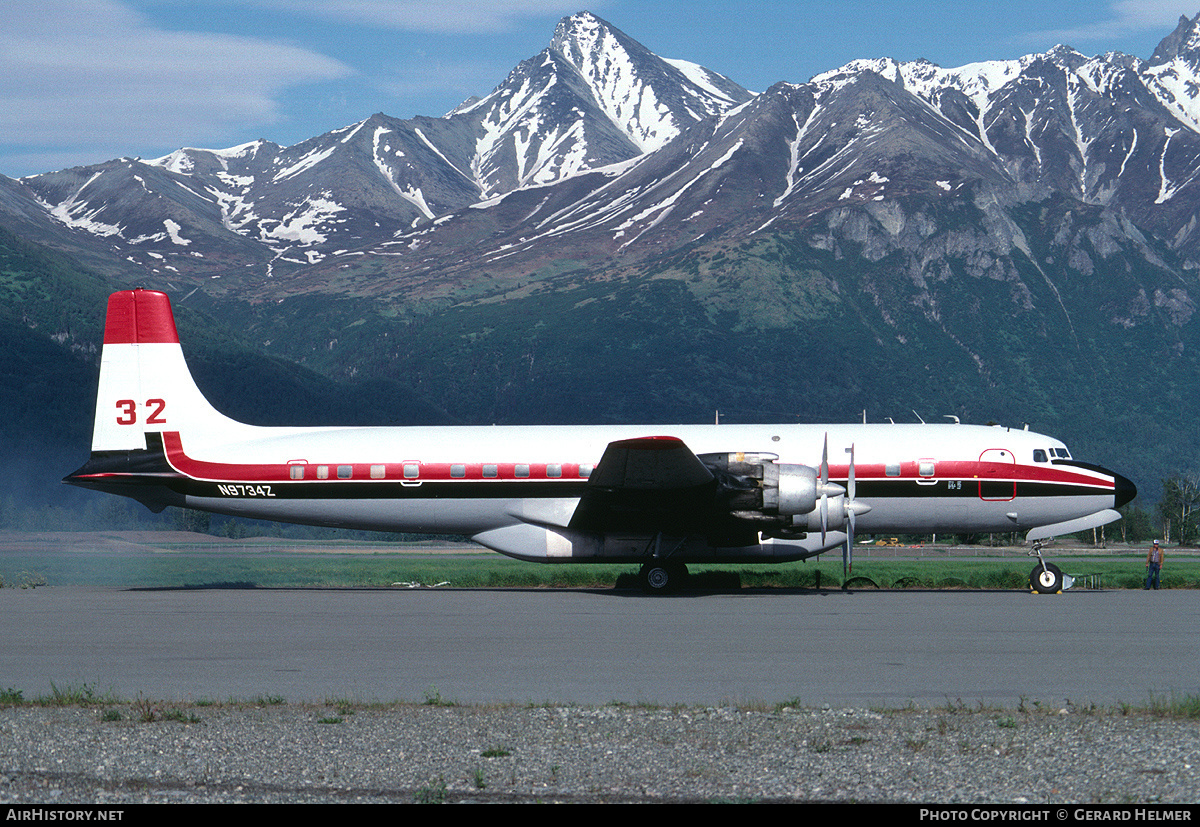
x: 1047, y: 578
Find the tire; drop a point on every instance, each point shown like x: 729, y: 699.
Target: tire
x: 662, y: 578
x: 1046, y: 581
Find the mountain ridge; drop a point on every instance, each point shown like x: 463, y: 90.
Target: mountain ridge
x: 291, y: 208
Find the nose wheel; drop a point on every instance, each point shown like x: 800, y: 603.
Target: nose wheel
x: 1046, y: 578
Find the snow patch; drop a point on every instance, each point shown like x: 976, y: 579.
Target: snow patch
x: 302, y: 225
x: 77, y: 213
x: 701, y: 77
x: 306, y: 161
x: 173, y: 231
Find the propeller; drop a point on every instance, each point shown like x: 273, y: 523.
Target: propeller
x: 824, y: 489
x: 827, y: 489
x: 848, y: 557
x: 853, y: 509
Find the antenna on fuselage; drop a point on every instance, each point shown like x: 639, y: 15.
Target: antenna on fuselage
x: 951, y: 416
x: 918, y: 416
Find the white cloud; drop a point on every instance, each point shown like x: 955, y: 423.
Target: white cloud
x: 450, y: 16
x: 1124, y: 17
x: 95, y: 72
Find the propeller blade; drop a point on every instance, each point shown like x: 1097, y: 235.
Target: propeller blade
x: 845, y: 563
x: 824, y: 483
x: 850, y: 481
x: 825, y: 461
x: 848, y: 556
x: 850, y: 514
x: 850, y: 542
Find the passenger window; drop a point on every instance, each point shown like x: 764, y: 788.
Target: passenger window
x: 925, y: 468
x: 458, y: 471
x: 322, y: 472
x: 411, y: 470
x: 585, y: 471
x: 892, y: 469
x: 554, y: 471
x: 489, y: 470
x: 296, y: 472
x: 522, y: 471
x: 1039, y: 455
x: 378, y: 472
x: 345, y: 472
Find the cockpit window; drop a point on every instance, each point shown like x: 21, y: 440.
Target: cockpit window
x: 1039, y: 455
x: 1062, y: 453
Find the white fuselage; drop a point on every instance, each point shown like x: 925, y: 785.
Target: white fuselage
x: 476, y: 480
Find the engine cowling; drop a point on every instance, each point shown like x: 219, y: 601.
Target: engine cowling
x: 757, y: 488
x: 789, y: 490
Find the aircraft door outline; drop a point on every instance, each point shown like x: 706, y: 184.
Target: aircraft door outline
x: 997, y: 481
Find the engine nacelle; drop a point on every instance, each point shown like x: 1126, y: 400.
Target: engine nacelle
x: 759, y: 489
x: 789, y: 490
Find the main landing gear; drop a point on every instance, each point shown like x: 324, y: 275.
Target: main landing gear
x: 661, y: 578
x: 1046, y: 578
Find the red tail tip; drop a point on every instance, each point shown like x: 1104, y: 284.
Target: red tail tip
x: 139, y: 317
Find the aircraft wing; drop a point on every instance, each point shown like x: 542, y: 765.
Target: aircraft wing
x: 649, y: 484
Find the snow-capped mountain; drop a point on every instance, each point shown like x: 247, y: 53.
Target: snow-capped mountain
x: 650, y: 99
x: 869, y: 154
x: 599, y: 147
x: 593, y: 97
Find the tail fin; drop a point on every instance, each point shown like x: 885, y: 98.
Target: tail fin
x: 145, y: 384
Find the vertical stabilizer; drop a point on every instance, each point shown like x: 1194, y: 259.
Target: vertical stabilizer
x: 145, y: 384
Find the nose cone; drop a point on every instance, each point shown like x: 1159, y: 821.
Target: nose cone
x: 1125, y: 490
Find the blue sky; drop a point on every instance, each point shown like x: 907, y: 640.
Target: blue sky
x: 83, y: 81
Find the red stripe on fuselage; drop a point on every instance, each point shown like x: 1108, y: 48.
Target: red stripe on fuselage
x: 360, y: 471
x: 972, y: 470
x: 966, y: 470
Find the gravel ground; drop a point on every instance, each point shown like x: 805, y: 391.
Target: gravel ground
x: 108, y: 755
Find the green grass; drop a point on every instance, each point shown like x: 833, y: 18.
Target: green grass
x: 1187, y: 706
x: 184, y: 565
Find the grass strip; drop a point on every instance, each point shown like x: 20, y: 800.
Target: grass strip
x: 198, y: 567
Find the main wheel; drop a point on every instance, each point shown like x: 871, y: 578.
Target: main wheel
x: 1048, y: 580
x: 660, y: 578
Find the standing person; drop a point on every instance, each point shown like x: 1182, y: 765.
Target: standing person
x: 1154, y: 560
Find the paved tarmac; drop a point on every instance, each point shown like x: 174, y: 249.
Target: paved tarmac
x: 860, y: 649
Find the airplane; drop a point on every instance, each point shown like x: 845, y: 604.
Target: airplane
x: 662, y: 497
